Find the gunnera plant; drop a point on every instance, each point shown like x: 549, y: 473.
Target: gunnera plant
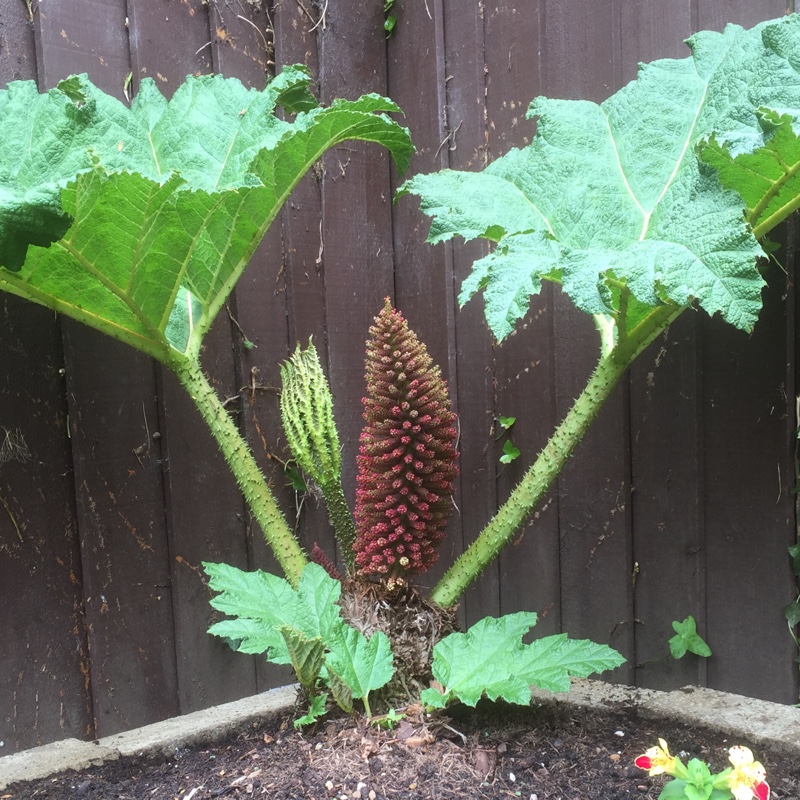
x: 406, y: 464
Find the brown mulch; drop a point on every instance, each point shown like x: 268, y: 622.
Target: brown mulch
x: 547, y: 752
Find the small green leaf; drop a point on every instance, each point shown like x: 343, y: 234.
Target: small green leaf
x: 341, y: 692
x: 316, y: 710
x: 687, y: 639
x: 792, y: 613
x: 506, y: 423
x: 794, y: 552
x: 306, y: 654
x: 296, y: 480
x: 387, y: 721
x: 700, y: 784
x: 363, y: 664
x: 262, y: 603
x: 549, y: 662
x: 389, y: 24
x: 510, y: 452
x: 674, y: 790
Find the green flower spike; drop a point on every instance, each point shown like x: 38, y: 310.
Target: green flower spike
x: 307, y: 415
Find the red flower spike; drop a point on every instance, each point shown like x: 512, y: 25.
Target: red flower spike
x: 406, y: 465
x: 319, y: 556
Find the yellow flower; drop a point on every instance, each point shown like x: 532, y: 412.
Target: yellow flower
x: 747, y: 779
x: 657, y: 760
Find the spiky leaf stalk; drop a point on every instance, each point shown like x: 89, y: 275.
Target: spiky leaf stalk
x: 307, y: 415
x: 406, y: 465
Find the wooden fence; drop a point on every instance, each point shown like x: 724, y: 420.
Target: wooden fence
x: 681, y: 501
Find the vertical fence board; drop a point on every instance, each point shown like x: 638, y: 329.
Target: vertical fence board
x: 745, y: 502
x: 303, y: 262
x: 748, y: 507
x: 593, y: 490
x: 423, y: 274
x: 716, y: 14
x: 111, y: 393
x: 204, y: 506
x: 356, y: 224
x: 666, y: 442
x: 260, y: 309
x: 44, y: 658
x: 466, y: 126
x: 529, y: 567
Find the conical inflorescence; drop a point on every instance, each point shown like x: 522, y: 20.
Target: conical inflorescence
x: 406, y: 465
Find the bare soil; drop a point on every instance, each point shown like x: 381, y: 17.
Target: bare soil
x: 546, y: 752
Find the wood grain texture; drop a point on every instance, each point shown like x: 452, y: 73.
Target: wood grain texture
x: 465, y: 80
x: 42, y: 687
x: 679, y: 501
x: 204, y: 506
x: 524, y: 378
x: 111, y: 393
x: 593, y: 490
x: 666, y: 438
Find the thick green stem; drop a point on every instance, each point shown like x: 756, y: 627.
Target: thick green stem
x: 538, y: 479
x: 341, y: 519
x: 251, y: 481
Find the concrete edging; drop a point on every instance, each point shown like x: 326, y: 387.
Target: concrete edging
x: 199, y: 727
x: 769, y: 724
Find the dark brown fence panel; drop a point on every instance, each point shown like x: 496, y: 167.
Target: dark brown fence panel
x: 204, y: 506
x: 465, y: 81
x: 746, y: 503
x: 111, y: 393
x: 303, y: 256
x: 593, y: 490
x: 679, y: 501
x: 259, y: 308
x: 44, y: 661
x: 424, y: 276
x: 524, y: 378
x: 666, y: 440
x: 357, y: 258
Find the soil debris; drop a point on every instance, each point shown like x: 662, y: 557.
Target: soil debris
x: 545, y: 752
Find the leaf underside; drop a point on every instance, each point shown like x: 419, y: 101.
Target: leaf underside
x: 614, y: 193
x: 138, y: 221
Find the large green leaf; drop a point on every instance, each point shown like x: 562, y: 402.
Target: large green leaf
x: 298, y: 626
x: 768, y: 177
x: 167, y: 200
x: 549, y: 662
x: 613, y: 194
x: 262, y: 604
x: 491, y: 659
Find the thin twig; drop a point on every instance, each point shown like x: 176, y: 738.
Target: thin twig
x: 321, y: 20
x: 12, y: 518
x: 450, y: 136
x: 305, y: 11
x: 199, y: 49
x: 260, y: 32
